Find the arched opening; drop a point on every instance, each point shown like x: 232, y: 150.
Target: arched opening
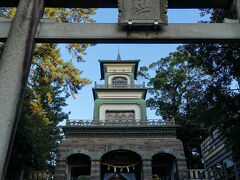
x: 121, y: 165
x: 164, y: 167
x: 79, y: 167
x: 119, y: 81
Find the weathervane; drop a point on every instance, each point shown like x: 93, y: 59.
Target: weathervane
x: 119, y: 56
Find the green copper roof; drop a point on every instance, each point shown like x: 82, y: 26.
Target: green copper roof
x: 102, y: 62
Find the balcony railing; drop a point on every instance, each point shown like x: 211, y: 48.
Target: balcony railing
x: 119, y: 85
x: 42, y: 175
x: 151, y: 122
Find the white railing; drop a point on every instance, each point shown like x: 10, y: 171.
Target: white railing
x: 199, y: 174
x: 194, y: 174
x: 119, y: 86
x: 121, y: 122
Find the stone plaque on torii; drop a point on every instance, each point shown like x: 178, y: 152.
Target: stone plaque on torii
x: 142, y: 12
x: 21, y: 34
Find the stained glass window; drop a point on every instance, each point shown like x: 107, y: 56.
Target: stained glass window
x: 119, y: 81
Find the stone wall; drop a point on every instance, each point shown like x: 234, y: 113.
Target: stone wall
x: 95, y: 148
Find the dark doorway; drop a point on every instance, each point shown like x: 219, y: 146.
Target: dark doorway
x: 121, y: 165
x: 79, y: 167
x: 164, y: 167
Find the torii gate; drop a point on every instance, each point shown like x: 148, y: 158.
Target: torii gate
x: 26, y: 29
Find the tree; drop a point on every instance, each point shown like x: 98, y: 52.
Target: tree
x: 221, y: 101
x: 51, y: 81
x: 214, y: 106
x: 176, y: 89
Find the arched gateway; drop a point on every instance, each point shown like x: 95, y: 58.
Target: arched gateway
x: 78, y: 167
x: 121, y: 164
x: 120, y: 143
x: 164, y: 167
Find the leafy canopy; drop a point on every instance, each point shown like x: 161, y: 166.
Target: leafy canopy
x: 51, y: 81
x: 176, y: 87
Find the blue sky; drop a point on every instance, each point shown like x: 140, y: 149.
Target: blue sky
x: 82, y: 107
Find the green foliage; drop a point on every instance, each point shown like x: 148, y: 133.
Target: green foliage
x: 176, y: 88
x: 221, y: 61
x: 199, y: 86
x: 196, y: 93
x: 220, y: 104
x: 51, y: 81
x: 173, y: 85
x: 36, y: 137
x: 217, y: 15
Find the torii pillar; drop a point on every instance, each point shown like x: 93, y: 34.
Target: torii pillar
x: 238, y: 8
x: 14, y: 69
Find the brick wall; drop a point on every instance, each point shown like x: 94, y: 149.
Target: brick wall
x: 95, y: 148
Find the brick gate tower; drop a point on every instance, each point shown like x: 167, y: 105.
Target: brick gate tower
x: 120, y: 142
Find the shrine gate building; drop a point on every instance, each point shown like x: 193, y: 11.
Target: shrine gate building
x: 120, y: 142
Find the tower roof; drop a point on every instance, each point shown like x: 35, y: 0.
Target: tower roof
x: 105, y: 63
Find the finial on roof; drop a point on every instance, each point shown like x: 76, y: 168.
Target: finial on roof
x: 118, y: 56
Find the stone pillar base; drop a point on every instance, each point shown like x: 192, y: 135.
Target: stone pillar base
x: 95, y: 170
x: 182, y: 169
x: 60, y: 170
x: 147, y: 169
